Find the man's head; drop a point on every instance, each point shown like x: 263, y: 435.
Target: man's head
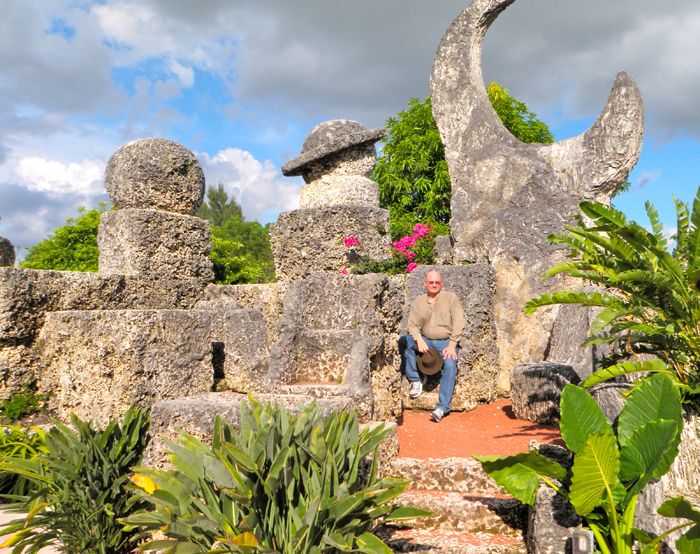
x: 433, y: 282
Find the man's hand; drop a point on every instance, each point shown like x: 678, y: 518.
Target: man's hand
x: 450, y: 352
x: 422, y: 346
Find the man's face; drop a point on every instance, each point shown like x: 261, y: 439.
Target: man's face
x: 433, y: 283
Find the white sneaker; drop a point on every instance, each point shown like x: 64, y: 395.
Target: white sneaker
x: 437, y: 414
x: 415, y: 390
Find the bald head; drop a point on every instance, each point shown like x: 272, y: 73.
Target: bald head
x: 433, y: 283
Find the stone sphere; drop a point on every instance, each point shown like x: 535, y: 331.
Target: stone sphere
x: 155, y: 174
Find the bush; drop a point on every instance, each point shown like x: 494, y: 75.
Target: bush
x: 650, y: 304
x: 16, y: 442
x: 20, y: 404
x: 291, y: 484
x: 79, y: 480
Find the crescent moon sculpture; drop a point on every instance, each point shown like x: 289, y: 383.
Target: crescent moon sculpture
x: 508, y: 196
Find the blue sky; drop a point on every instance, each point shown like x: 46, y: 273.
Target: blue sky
x: 241, y: 83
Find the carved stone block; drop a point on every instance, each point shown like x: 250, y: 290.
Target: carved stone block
x: 535, y: 390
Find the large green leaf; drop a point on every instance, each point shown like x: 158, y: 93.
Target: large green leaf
x: 580, y: 417
x: 368, y: 543
x: 655, y: 398
x: 681, y: 508
x: 583, y: 298
x: 648, y: 453
x: 626, y: 368
x: 520, y: 474
x: 594, y: 473
x: 689, y: 543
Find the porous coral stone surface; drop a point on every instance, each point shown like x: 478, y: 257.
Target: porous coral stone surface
x: 155, y: 174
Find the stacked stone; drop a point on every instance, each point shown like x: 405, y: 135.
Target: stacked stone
x: 7, y: 253
x: 155, y: 185
x: 338, y: 200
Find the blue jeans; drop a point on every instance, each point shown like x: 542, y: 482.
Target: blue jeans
x: 448, y: 376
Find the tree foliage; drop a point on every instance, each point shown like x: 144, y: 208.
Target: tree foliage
x: 241, y: 250
x: 72, y: 247
x: 650, y: 301
x: 414, y: 183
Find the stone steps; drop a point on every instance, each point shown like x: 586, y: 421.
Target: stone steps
x: 439, y: 541
x: 471, y: 514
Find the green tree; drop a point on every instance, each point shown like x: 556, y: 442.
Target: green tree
x: 241, y: 250
x: 72, y: 247
x: 414, y: 183
x: 217, y: 208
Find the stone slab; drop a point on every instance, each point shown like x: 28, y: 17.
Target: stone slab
x: 153, y: 242
x: 99, y: 362
x: 535, y: 390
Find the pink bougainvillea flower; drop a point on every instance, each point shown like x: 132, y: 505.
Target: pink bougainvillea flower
x: 351, y: 241
x: 344, y: 271
x: 421, y: 230
x: 410, y: 267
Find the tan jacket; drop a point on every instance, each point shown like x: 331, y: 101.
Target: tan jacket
x: 442, y: 320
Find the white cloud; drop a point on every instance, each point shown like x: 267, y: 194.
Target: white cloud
x: 184, y: 74
x: 257, y: 186
x: 56, y: 178
x: 646, y: 177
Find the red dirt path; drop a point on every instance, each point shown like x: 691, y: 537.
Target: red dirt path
x: 490, y: 429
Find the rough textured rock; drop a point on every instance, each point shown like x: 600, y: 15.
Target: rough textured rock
x: 443, y: 250
x: 535, y: 390
x: 99, y: 362
x: 609, y: 397
x: 309, y: 241
x: 266, y: 297
x: 478, y: 358
x: 7, y: 253
x: 507, y: 196
x: 150, y: 242
x: 571, y: 329
x: 551, y: 524
x: 18, y: 367
x: 340, y: 189
x: 155, y: 174
x: 27, y: 294
x: 338, y: 145
x: 239, y: 346
x: 684, y: 475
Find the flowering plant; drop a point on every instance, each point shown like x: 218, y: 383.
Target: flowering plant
x: 407, y: 254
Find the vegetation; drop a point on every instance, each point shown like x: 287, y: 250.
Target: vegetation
x: 20, y: 404
x: 72, y: 247
x: 610, y: 467
x: 241, y: 250
x: 650, y: 303
x: 414, y: 183
x: 284, y: 483
x: 79, y: 483
x: 19, y: 443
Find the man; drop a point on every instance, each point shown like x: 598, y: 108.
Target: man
x: 436, y: 320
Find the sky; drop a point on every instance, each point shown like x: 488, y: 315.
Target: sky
x: 241, y: 83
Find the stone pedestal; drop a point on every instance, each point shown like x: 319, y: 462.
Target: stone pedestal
x: 309, y: 241
x: 335, y: 190
x: 99, y: 362
x: 153, y: 242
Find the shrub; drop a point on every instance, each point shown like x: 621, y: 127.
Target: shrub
x: 611, y: 467
x: 650, y: 303
x: 20, y: 404
x: 80, y: 492
x: 291, y: 484
x: 16, y: 442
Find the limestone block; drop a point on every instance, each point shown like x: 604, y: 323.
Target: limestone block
x: 155, y: 174
x: 443, y: 250
x: 310, y: 240
x: 551, y: 523
x: 333, y: 190
x: 99, y: 362
x: 7, y: 253
x: 478, y: 358
x: 240, y: 349
x: 508, y: 196
x: 150, y: 242
x: 610, y: 398
x: 535, y: 390
x: 684, y: 476
x: 267, y: 298
x: 18, y: 368
x: 27, y: 294
x: 322, y: 355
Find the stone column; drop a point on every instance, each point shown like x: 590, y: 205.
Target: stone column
x: 338, y: 200
x: 155, y: 185
x: 7, y: 253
